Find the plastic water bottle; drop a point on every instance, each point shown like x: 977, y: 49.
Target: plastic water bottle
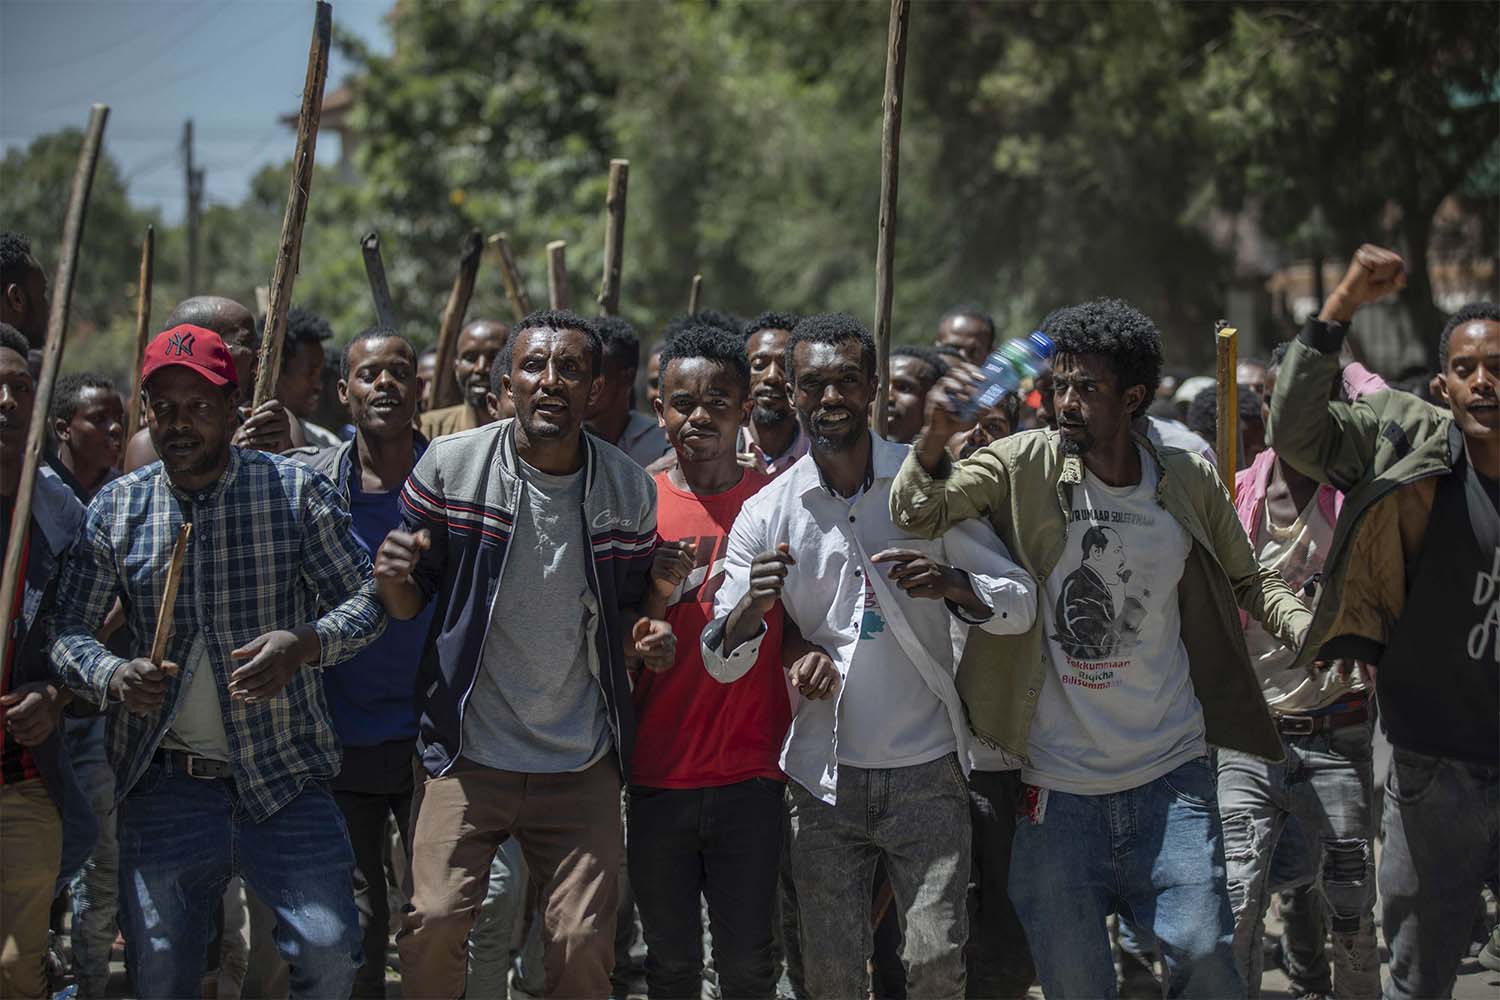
x: 1017, y: 360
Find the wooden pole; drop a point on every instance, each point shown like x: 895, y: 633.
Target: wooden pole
x: 447, y: 392
x: 510, y: 276
x: 890, y: 164
x: 290, y: 248
x: 695, y: 295
x: 142, y: 329
x: 57, y: 329
x: 557, y: 274
x: 165, y: 614
x: 1227, y: 444
x: 380, y: 292
x: 614, y: 236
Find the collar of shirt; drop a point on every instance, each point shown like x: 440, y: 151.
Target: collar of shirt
x: 833, y: 541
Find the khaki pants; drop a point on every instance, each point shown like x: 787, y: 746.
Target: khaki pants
x: 30, y: 853
x: 568, y: 826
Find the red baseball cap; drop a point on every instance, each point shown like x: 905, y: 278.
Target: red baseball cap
x: 191, y: 347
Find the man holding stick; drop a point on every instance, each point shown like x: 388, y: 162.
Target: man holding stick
x: 38, y: 791
x: 479, y: 344
x: 1134, y: 667
x: 535, y: 542
x: 223, y: 749
x: 268, y: 428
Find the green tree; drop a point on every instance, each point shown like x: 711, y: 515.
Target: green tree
x: 1344, y: 109
x: 34, y: 186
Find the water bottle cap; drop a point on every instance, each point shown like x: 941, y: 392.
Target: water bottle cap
x: 1041, y: 342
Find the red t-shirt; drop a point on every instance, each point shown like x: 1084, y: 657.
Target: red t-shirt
x: 691, y: 730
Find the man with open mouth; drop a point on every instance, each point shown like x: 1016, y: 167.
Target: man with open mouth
x: 222, y: 750
x: 1412, y: 585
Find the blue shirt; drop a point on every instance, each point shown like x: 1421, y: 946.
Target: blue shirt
x: 373, y: 695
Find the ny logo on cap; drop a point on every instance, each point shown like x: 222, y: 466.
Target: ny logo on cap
x: 180, y: 344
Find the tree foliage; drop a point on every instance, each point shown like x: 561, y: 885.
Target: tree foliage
x: 1050, y: 152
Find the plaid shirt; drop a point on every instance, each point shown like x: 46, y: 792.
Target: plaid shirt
x: 271, y: 546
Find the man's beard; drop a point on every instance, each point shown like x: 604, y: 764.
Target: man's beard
x: 536, y: 428
x: 766, y: 416
x: 843, y: 441
x: 1077, y: 446
x: 206, y: 460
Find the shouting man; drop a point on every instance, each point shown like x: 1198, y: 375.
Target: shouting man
x: 534, y: 542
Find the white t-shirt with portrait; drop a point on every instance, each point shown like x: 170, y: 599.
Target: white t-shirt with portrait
x: 1117, y: 708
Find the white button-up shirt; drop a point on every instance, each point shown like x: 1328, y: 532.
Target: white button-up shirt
x: 832, y: 542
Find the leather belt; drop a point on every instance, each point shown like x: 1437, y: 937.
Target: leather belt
x: 205, y: 768
x: 1338, y: 716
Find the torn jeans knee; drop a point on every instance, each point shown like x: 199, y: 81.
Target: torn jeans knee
x: 1347, y: 882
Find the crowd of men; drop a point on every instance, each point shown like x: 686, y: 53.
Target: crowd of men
x: 823, y: 712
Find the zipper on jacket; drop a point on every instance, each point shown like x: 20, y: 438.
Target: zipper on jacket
x: 463, y: 701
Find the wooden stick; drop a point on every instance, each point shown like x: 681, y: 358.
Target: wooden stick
x: 380, y: 292
x: 695, y: 295
x: 290, y: 247
x: 142, y: 329
x: 447, y: 392
x: 165, y: 615
x: 614, y: 236
x: 510, y: 276
x: 557, y: 274
x: 890, y: 164
x: 57, y: 329
x: 1227, y: 444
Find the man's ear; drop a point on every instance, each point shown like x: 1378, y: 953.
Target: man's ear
x: 661, y: 420
x: 596, y: 389
x: 60, y: 429
x: 15, y: 297
x: 343, y: 392
x: 1133, y: 397
x: 492, y: 404
x: 1439, y: 386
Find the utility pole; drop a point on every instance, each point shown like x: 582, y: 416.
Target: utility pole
x: 193, y: 178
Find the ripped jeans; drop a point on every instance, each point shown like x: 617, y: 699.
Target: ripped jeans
x: 1325, y: 789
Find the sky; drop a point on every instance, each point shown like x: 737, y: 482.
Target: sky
x: 233, y: 66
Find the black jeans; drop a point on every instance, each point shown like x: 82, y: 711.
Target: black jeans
x: 725, y: 844
x: 999, y: 959
x: 374, y: 783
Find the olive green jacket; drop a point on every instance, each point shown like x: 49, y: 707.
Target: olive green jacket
x: 1367, y: 450
x: 1023, y: 485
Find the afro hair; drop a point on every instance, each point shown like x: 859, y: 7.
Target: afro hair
x: 1115, y: 330
x: 621, y: 345
x: 930, y: 356
x: 771, y: 320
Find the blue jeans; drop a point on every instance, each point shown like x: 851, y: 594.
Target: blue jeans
x: 181, y: 838
x: 1442, y: 838
x: 1155, y: 854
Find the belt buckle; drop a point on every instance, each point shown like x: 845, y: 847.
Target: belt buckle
x: 191, y: 773
x: 1298, y: 725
